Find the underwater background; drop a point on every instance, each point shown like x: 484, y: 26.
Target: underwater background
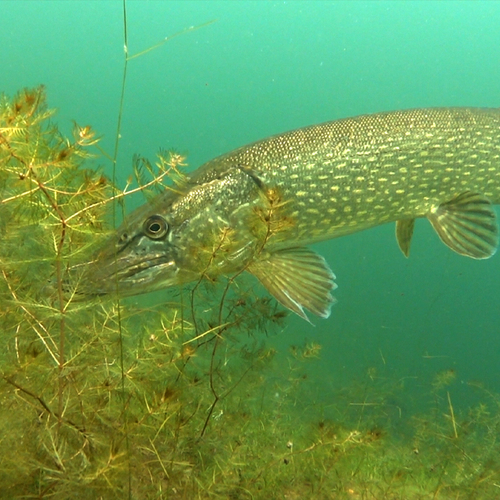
x: 265, y: 67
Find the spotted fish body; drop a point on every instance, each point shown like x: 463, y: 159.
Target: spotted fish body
x: 257, y: 207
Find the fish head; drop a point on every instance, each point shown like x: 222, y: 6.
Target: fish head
x: 140, y: 256
x: 208, y: 227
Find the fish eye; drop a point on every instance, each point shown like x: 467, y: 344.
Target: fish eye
x: 155, y: 227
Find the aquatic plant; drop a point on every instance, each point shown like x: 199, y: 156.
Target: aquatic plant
x: 125, y: 399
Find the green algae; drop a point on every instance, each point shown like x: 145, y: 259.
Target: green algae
x: 184, y: 399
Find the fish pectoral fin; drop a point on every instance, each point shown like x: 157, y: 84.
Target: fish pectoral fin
x: 297, y: 278
x: 467, y: 224
x: 404, y: 232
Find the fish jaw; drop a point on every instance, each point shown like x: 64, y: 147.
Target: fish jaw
x: 141, y: 266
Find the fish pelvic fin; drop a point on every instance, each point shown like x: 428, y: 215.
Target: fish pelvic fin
x: 404, y: 233
x: 467, y: 224
x: 298, y: 279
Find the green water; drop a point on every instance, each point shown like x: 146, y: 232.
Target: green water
x: 266, y: 67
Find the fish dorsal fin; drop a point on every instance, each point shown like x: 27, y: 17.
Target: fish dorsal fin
x: 298, y: 278
x: 404, y: 232
x: 467, y: 224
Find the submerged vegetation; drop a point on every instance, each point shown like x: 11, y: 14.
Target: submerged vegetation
x: 183, y: 400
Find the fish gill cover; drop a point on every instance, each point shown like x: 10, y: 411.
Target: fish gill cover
x: 108, y: 398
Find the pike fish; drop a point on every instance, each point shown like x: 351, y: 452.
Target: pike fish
x: 256, y: 208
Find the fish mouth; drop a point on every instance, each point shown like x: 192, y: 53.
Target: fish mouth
x: 123, y: 277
